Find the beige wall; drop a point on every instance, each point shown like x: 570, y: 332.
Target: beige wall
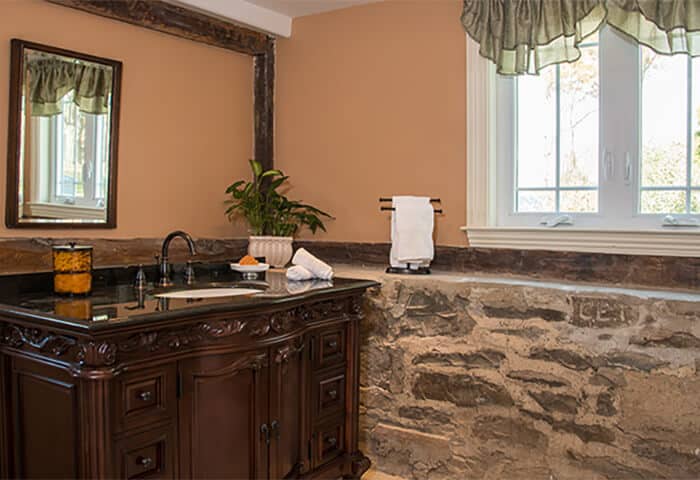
x: 186, y: 121
x: 370, y: 102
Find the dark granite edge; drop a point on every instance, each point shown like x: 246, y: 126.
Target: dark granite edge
x: 36, y: 318
x: 231, y: 307
x: 156, y: 319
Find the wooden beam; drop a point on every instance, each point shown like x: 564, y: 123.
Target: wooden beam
x: 181, y: 22
x: 264, y: 108
x: 175, y: 20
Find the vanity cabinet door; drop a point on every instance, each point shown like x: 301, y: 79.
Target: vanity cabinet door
x: 44, y: 413
x: 288, y: 449
x: 223, y: 404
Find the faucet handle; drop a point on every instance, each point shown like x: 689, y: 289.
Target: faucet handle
x: 140, y: 282
x: 189, y: 273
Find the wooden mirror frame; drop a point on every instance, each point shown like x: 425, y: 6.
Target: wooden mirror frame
x: 14, y: 140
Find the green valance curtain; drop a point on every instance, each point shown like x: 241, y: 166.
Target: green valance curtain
x: 51, y: 79
x: 524, y: 36
x: 666, y: 26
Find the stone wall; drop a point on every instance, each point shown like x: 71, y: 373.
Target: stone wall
x: 507, y: 380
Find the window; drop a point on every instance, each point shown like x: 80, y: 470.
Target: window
x: 73, y: 148
x: 670, y: 160
x: 611, y: 141
x: 556, y: 157
x: 77, y: 156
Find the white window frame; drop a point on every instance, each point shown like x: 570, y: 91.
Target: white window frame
x: 95, y: 133
x: 46, y: 140
x: 483, y: 228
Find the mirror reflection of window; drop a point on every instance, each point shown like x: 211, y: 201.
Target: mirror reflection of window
x: 65, y: 143
x: 77, y: 155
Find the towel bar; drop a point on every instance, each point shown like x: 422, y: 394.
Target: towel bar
x: 437, y: 210
x: 388, y: 199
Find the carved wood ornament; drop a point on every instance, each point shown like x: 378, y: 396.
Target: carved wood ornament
x: 88, y: 352
x: 285, y: 353
x: 33, y: 338
x: 254, y: 361
x: 181, y: 22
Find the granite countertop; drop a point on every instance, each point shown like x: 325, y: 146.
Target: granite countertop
x: 114, y: 302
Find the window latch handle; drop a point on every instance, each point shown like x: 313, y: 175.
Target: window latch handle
x: 628, y: 169
x: 552, y: 222
x: 671, y: 221
x: 608, y: 165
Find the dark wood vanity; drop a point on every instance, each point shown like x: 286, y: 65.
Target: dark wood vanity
x: 122, y: 384
x: 250, y: 389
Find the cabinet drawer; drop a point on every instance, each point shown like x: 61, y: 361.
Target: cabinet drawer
x: 329, y: 395
x: 145, y: 397
x: 330, y: 345
x: 329, y: 442
x: 147, y: 455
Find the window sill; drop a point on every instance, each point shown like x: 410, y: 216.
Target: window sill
x: 65, y: 212
x: 668, y: 242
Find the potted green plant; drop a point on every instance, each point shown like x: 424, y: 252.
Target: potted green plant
x: 273, y: 218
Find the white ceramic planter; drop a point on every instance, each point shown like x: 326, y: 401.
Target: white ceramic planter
x: 276, y: 250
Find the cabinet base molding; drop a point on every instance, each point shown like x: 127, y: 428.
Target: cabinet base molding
x: 360, y: 463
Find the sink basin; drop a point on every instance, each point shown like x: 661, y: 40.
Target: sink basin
x: 209, y: 293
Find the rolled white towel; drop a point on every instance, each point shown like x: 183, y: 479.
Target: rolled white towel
x: 296, y: 287
x: 318, y: 268
x: 317, y: 284
x: 297, y: 273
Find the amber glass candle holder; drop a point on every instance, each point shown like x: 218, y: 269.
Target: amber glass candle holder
x: 72, y: 269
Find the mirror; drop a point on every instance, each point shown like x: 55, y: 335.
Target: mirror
x: 62, y: 138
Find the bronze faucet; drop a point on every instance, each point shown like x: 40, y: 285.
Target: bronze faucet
x: 165, y: 280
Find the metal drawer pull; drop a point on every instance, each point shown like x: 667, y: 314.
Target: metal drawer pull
x: 333, y: 394
x: 145, y: 462
x: 265, y: 432
x: 333, y: 344
x: 332, y: 441
x: 275, y: 427
x: 146, y: 396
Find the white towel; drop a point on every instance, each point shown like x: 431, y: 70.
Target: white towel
x: 297, y: 273
x: 295, y: 286
x: 412, y: 224
x: 318, y: 268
